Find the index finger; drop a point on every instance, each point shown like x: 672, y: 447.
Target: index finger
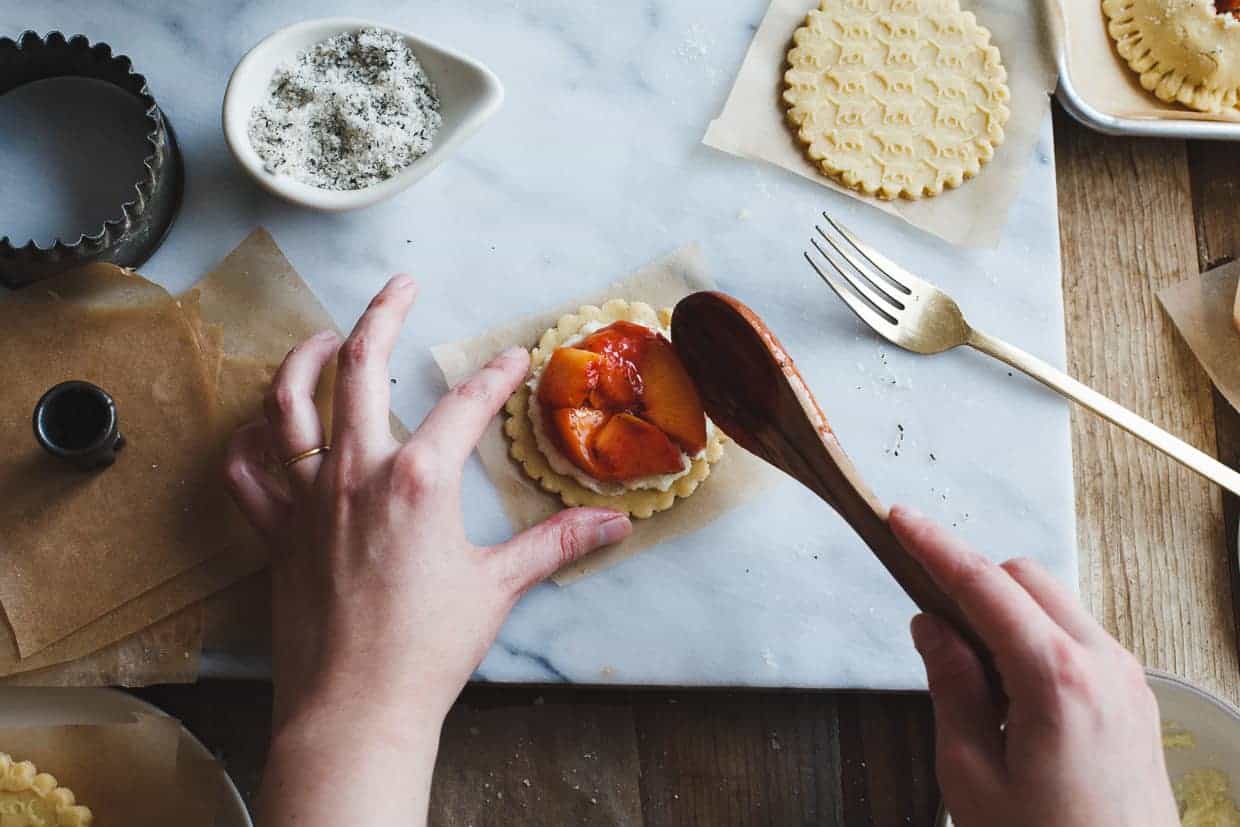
x: 1009, y: 621
x: 455, y: 425
x: 363, y: 395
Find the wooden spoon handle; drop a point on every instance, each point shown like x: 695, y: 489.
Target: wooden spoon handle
x: 877, y: 533
x: 917, y: 584
x: 830, y: 474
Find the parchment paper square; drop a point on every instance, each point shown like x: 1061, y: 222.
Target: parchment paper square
x: 753, y: 125
x: 1201, y: 307
x: 734, y: 479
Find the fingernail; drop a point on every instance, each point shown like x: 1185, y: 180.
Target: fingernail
x: 927, y: 633
x: 401, y: 282
x: 511, y: 353
x: 324, y: 335
x: 614, y: 530
x: 907, y: 512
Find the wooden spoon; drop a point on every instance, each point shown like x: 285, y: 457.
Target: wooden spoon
x: 753, y: 391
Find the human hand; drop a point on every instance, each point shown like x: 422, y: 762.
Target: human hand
x: 1082, y: 746
x: 376, y: 591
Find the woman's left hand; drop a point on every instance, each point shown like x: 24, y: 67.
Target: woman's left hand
x: 381, y: 606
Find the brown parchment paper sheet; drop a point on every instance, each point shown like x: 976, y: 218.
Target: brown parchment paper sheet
x: 1201, y: 307
x: 254, y: 288
x: 126, y: 773
x: 167, y: 651
x: 734, y: 479
x: 77, y: 545
x: 1102, y: 78
x: 263, y: 308
x: 753, y: 124
x: 133, y: 617
x: 255, y: 307
x: 156, y: 650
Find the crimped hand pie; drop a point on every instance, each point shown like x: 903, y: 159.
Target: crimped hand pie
x: 1184, y: 50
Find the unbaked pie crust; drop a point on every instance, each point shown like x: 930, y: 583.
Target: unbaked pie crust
x: 29, y: 798
x: 524, y: 447
x: 1183, y: 50
x: 896, y: 98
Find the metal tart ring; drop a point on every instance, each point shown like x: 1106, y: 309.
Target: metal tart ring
x: 127, y: 241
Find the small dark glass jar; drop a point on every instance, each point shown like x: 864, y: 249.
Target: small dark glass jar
x: 77, y: 422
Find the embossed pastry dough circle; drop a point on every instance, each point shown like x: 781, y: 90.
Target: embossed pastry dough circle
x: 29, y: 798
x: 524, y: 449
x: 1184, y: 50
x: 896, y: 98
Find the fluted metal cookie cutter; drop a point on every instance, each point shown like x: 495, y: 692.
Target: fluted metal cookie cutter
x: 127, y: 241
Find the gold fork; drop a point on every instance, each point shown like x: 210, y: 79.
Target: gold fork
x: 918, y: 316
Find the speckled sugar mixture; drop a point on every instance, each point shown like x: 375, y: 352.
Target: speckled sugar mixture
x: 350, y: 112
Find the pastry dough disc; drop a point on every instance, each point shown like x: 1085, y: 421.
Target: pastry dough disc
x: 29, y: 798
x: 896, y: 98
x: 1184, y: 50
x: 524, y: 449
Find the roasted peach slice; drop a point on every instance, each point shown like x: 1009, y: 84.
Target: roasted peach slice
x: 628, y: 447
x: 574, y: 430
x: 625, y: 340
x: 569, y: 377
x: 670, y: 398
x: 619, y: 385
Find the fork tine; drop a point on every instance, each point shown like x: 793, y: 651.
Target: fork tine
x: 863, y: 287
x: 877, y: 260
x: 876, y: 319
x: 868, y: 285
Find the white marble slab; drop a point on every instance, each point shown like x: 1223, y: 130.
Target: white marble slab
x: 593, y: 167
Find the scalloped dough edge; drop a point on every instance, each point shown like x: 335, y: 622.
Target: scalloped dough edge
x: 1165, y: 79
x: 22, y: 776
x: 849, y: 177
x: 524, y: 448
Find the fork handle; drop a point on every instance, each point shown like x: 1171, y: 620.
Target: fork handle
x: 1057, y: 380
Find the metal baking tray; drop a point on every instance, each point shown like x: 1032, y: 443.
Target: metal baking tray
x: 1189, y: 128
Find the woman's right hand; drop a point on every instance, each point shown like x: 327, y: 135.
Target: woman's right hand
x: 1082, y: 745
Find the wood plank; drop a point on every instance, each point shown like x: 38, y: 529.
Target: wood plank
x: 730, y: 758
x: 516, y: 756
x: 1150, y: 532
x: 1215, y: 172
x: 887, y: 744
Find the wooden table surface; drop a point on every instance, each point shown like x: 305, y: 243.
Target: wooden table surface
x: 1157, y: 567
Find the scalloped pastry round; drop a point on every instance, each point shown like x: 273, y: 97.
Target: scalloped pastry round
x: 1183, y: 50
x: 896, y: 98
x: 29, y: 798
x: 524, y: 447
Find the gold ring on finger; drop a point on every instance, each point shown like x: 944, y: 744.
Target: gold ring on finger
x: 313, y: 452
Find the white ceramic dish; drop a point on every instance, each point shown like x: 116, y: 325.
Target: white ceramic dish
x: 1213, y: 723
x: 49, y: 707
x: 469, y: 93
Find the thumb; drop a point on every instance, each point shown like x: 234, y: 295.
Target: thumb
x: 537, y: 553
x: 968, y: 741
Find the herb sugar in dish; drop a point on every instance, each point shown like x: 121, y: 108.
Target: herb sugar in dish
x: 348, y: 113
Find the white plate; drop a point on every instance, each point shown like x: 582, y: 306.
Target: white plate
x: 469, y: 93
x: 1213, y: 723
x: 50, y: 707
